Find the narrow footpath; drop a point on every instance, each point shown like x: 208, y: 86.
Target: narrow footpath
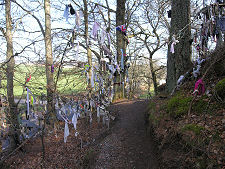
x: 128, y: 146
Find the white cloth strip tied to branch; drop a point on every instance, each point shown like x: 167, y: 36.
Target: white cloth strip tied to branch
x: 98, y: 111
x: 196, y: 71
x: 174, y: 42
x: 78, y: 46
x: 122, y: 60
x: 106, y: 51
x: 92, y: 78
x: 28, y: 104
x: 66, y: 131
x: 95, y: 29
x: 74, y: 121
x: 66, y: 128
x: 180, y: 80
x: 115, y: 60
x: 78, y: 16
x: 127, y: 73
x: 103, y: 35
x: 96, y: 77
x: 64, y: 118
x: 66, y: 12
x: 87, y: 75
x: 112, y: 69
x: 109, y: 39
x: 200, y: 61
x: 90, y: 116
x: 116, y: 64
x: 92, y: 103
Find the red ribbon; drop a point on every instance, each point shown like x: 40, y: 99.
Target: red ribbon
x: 28, y: 79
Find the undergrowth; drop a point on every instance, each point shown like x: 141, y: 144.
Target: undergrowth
x: 193, y: 127
x: 178, y: 105
x: 220, y: 89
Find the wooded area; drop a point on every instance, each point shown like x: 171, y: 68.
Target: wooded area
x: 65, y: 65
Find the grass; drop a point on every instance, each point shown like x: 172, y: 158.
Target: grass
x: 152, y: 106
x: 193, y: 127
x: 220, y: 89
x: 145, y: 94
x: 178, y: 105
x: 70, y: 82
x: 200, y: 105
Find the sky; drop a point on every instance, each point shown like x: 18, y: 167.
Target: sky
x: 29, y: 23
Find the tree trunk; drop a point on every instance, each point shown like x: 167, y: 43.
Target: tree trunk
x: 12, y: 111
x: 0, y: 79
x: 121, y: 44
x: 153, y: 75
x: 89, y: 56
x: 51, y: 116
x: 220, y: 36
x: 179, y: 62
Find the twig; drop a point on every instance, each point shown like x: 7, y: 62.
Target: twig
x: 21, y: 145
x: 203, y: 77
x: 189, y: 110
x: 61, y: 63
x: 43, y: 145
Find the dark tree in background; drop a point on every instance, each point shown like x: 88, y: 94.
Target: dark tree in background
x: 120, y: 44
x: 179, y: 62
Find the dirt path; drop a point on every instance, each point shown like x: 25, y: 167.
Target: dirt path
x: 128, y: 146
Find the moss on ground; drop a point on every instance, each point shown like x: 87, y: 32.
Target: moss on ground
x: 154, y: 116
x: 194, y: 128
x: 200, y: 106
x: 220, y: 89
x: 151, y: 106
x: 178, y: 105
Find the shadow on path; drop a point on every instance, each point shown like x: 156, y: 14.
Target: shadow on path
x: 128, y: 145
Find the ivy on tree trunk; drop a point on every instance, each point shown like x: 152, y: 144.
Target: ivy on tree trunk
x: 180, y: 61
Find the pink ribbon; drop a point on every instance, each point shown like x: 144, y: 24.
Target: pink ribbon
x: 199, y: 87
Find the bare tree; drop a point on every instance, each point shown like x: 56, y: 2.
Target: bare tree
x: 89, y: 56
x: 152, y: 38
x: 180, y: 61
x: 49, y: 62
x: 120, y: 44
x: 12, y: 111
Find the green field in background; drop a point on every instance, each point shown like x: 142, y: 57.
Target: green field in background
x: 71, y: 80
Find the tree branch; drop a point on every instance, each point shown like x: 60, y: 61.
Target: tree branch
x: 3, y: 31
x: 16, y: 54
x: 38, y: 21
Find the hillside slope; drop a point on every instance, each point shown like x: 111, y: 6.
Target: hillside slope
x: 190, y: 127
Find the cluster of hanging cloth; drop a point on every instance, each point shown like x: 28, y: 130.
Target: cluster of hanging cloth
x: 114, y: 67
x: 68, y: 111
x: 71, y: 111
x: 97, y: 81
x: 213, y: 26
